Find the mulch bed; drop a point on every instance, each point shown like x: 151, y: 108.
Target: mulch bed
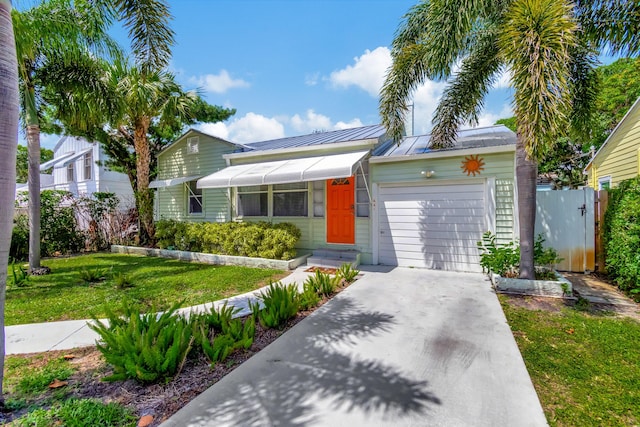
x: 158, y: 400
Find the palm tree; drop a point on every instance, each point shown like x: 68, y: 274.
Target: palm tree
x: 54, y: 32
x: 8, y: 142
x: 549, y: 46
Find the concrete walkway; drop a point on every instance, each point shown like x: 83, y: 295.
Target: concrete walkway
x: 405, y: 347
x: 599, y: 292
x: 40, y: 337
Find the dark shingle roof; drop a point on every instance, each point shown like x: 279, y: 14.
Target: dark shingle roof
x: 467, y: 138
x: 320, y: 138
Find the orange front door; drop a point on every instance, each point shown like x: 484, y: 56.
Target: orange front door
x: 341, y: 210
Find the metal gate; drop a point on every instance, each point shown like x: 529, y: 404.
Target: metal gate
x: 566, y: 220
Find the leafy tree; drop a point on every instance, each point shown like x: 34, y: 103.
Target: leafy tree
x: 9, y: 110
x: 550, y: 60
x: 22, y: 162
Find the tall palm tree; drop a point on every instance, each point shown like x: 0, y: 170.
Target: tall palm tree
x: 549, y: 46
x: 8, y: 141
x: 53, y: 32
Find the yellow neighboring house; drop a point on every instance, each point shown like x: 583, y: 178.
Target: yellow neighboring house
x: 619, y: 157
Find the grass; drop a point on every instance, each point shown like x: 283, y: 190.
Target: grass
x: 585, y: 367
x: 156, y: 283
x: 80, y: 413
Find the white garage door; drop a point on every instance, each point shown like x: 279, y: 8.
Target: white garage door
x: 432, y: 226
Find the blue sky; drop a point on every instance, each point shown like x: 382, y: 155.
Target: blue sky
x: 290, y: 67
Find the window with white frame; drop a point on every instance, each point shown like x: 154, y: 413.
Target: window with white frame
x: 88, y: 165
x: 362, y: 193
x: 604, y: 183
x: 195, y: 199
x: 253, y: 200
x: 318, y: 199
x: 291, y: 199
x: 70, y: 172
x: 193, y: 145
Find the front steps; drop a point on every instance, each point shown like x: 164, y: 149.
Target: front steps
x: 333, y: 258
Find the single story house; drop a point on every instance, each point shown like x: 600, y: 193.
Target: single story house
x: 395, y: 204
x: 619, y: 157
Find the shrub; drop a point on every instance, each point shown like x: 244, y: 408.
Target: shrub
x: 20, y: 275
x: 122, y: 281
x: 347, y: 272
x: 145, y: 347
x: 504, y: 259
x: 59, y: 227
x: 280, y: 304
x: 260, y: 239
x: 622, y: 235
x: 92, y: 275
x: 20, y: 238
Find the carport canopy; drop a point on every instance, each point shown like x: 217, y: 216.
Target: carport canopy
x: 285, y: 171
x: 162, y: 183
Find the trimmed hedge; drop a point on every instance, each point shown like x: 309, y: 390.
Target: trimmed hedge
x: 252, y: 239
x: 622, y: 235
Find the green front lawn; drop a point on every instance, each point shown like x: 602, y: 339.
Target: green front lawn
x: 585, y: 367
x: 156, y: 283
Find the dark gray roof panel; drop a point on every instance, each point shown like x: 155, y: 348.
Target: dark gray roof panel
x: 467, y: 138
x: 320, y: 138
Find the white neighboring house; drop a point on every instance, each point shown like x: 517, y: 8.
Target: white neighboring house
x: 76, y: 169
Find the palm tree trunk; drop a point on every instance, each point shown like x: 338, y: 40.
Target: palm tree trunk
x: 144, y: 196
x: 33, y: 154
x: 526, y: 174
x: 8, y: 142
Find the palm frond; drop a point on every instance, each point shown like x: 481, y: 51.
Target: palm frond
x: 584, y: 83
x: 613, y: 25
x: 463, y: 98
x: 148, y: 24
x: 534, y: 41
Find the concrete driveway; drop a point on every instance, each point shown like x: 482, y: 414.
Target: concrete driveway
x: 405, y: 347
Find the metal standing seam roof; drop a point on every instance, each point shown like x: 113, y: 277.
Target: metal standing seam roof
x: 467, y: 138
x: 344, y: 135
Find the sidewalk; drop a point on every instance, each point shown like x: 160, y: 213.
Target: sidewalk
x: 41, y: 337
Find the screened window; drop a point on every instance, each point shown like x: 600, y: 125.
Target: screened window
x: 88, y: 163
x: 70, y: 172
x: 252, y: 200
x: 291, y: 199
x: 362, y: 195
x: 195, y: 198
x: 318, y: 199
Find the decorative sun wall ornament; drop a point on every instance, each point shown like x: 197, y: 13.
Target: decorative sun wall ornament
x: 472, y: 165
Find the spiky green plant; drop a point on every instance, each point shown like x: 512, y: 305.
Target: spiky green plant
x: 280, y: 304
x: 347, y: 272
x: 323, y: 283
x: 145, y: 347
x: 308, y: 298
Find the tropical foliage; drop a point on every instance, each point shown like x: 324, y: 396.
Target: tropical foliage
x: 22, y: 162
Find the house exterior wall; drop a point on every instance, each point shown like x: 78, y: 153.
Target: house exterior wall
x: 101, y: 180
x: 498, y: 167
x: 176, y: 162
x: 620, y: 157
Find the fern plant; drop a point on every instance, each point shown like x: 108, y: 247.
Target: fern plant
x: 347, y: 272
x: 280, y: 304
x: 219, y: 318
x: 237, y: 335
x: 92, y: 275
x: 122, y: 281
x: 145, y: 347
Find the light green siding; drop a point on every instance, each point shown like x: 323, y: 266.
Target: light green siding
x: 499, y: 166
x: 619, y: 158
x: 175, y: 162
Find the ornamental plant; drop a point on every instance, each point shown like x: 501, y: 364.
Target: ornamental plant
x: 280, y: 302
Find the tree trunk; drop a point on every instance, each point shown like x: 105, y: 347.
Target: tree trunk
x: 144, y: 195
x: 33, y: 150
x: 526, y: 174
x: 8, y: 142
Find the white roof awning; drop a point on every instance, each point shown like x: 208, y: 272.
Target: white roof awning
x: 49, y: 164
x: 162, y: 183
x: 285, y: 171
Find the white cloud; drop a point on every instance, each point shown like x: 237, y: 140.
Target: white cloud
x: 367, y: 73
x: 218, y: 83
x: 312, y: 79
x: 488, y: 118
x: 311, y: 121
x: 503, y: 80
x: 355, y: 123
x: 251, y: 127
